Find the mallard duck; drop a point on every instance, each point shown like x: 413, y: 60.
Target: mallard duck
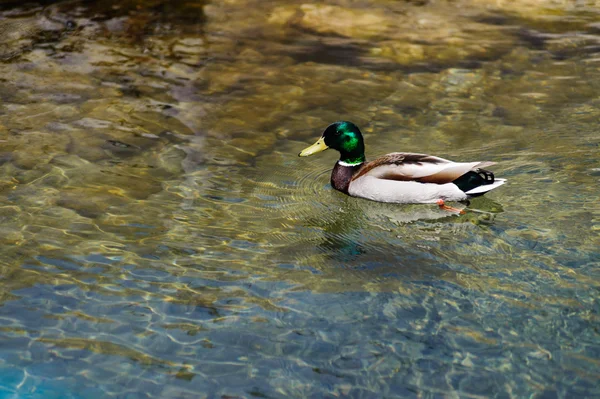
x: 399, y: 177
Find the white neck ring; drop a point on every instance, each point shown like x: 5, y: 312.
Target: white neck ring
x: 342, y: 163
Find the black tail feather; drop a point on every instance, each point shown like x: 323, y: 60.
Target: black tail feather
x: 473, y: 179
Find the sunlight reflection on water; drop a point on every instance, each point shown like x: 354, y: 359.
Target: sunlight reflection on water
x: 161, y: 238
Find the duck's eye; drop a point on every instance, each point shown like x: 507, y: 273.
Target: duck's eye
x: 337, y: 132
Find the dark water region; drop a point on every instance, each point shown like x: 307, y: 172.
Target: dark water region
x: 160, y: 238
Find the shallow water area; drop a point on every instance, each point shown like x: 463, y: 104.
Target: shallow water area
x: 160, y: 237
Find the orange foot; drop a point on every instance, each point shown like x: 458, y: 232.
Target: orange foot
x: 445, y: 207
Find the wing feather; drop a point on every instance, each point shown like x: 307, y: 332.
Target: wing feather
x: 422, y: 168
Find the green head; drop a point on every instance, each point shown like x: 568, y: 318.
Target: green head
x: 344, y: 137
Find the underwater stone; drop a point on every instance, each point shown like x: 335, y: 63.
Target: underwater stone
x: 401, y: 52
x: 461, y: 80
x: 10, y: 236
x: 322, y: 18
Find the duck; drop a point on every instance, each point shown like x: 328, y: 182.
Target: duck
x: 400, y: 177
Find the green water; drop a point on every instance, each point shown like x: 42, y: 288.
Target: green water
x: 160, y: 238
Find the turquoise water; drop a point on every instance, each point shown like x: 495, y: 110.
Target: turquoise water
x: 160, y: 238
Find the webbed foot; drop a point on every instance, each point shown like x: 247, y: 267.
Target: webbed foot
x: 445, y: 207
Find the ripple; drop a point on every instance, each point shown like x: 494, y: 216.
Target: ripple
x: 162, y: 238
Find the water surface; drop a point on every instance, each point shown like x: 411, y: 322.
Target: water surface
x: 161, y: 239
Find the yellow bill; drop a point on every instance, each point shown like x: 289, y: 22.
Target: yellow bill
x: 313, y: 149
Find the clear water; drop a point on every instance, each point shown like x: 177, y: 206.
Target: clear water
x: 161, y: 239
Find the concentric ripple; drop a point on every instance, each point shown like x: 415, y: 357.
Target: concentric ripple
x: 160, y: 237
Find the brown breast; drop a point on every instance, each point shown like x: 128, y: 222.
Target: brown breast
x: 342, y: 175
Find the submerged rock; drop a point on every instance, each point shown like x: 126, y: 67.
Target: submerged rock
x: 461, y: 80
x: 328, y: 19
x: 19, y: 34
x: 404, y: 33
